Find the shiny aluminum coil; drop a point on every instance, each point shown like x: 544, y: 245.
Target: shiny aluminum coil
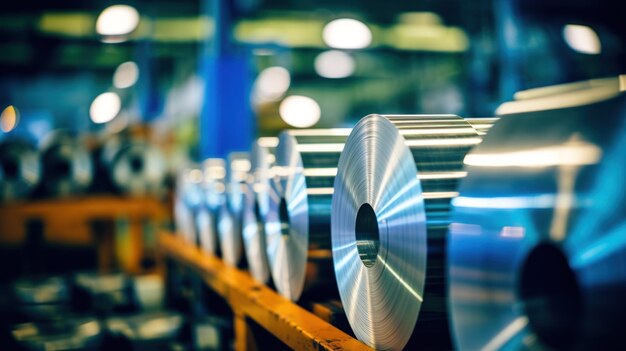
x: 20, y: 170
x: 297, y: 224
x: 187, y: 201
x: 230, y: 213
x: 213, y: 189
x: 390, y: 214
x: 256, y: 206
x: 537, y: 247
x: 138, y: 169
x: 67, y: 168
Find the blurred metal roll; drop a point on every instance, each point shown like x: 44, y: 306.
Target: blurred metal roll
x: 63, y: 334
x: 136, y: 168
x: 537, y: 248
x: 256, y: 206
x: 187, y: 199
x: 297, y: 223
x: 20, y: 170
x: 41, y: 298
x: 229, y: 217
x: 67, y: 168
x: 213, y: 189
x: 147, y: 331
x: 390, y: 214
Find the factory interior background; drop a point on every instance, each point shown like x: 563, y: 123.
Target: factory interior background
x: 299, y: 174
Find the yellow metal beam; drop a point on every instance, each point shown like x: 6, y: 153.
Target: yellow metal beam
x: 293, y: 325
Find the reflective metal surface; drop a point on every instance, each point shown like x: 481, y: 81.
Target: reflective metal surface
x: 564, y: 95
x: 213, y: 190
x: 390, y: 214
x: 229, y: 215
x: 256, y: 205
x: 138, y: 169
x: 537, y: 248
x: 67, y: 167
x: 20, y: 170
x: 298, y: 219
x: 187, y: 200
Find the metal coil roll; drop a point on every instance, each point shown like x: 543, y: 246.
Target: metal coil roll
x: 138, y: 169
x: 213, y: 190
x: 67, y: 168
x: 390, y: 215
x: 63, y: 333
x: 229, y: 217
x: 256, y: 206
x: 20, y: 170
x: 537, y: 254
x: 187, y: 200
x: 156, y: 327
x: 297, y: 224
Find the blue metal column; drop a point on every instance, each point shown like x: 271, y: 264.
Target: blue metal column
x: 511, y: 50
x: 226, y: 122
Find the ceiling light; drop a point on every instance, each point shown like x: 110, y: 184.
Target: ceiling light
x: 300, y: 111
x: 334, y: 64
x: 105, y: 107
x: 272, y: 83
x: 9, y: 119
x: 582, y: 39
x: 117, y: 20
x: 126, y: 75
x: 347, y: 33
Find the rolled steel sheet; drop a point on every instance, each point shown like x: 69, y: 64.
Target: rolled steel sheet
x: 213, y: 188
x: 67, y: 168
x: 230, y: 213
x: 537, y: 254
x: 138, y: 168
x: 256, y: 206
x: 187, y: 201
x: 390, y: 213
x: 297, y: 224
x: 20, y: 170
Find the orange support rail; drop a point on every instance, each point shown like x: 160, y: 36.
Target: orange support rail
x: 249, y: 299
x: 71, y: 222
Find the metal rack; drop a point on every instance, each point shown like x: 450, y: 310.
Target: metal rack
x: 86, y: 221
x: 252, y: 301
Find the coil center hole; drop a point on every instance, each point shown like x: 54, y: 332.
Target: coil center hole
x: 367, y: 235
x: 136, y: 164
x: 62, y: 168
x: 11, y: 168
x: 283, y: 216
x: 551, y: 296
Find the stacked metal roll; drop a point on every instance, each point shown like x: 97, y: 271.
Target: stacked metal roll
x: 537, y: 258
x: 187, y: 200
x: 390, y: 215
x: 229, y: 217
x: 213, y: 190
x: 20, y: 170
x: 66, y: 166
x: 256, y: 207
x: 297, y: 224
x: 135, y: 167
